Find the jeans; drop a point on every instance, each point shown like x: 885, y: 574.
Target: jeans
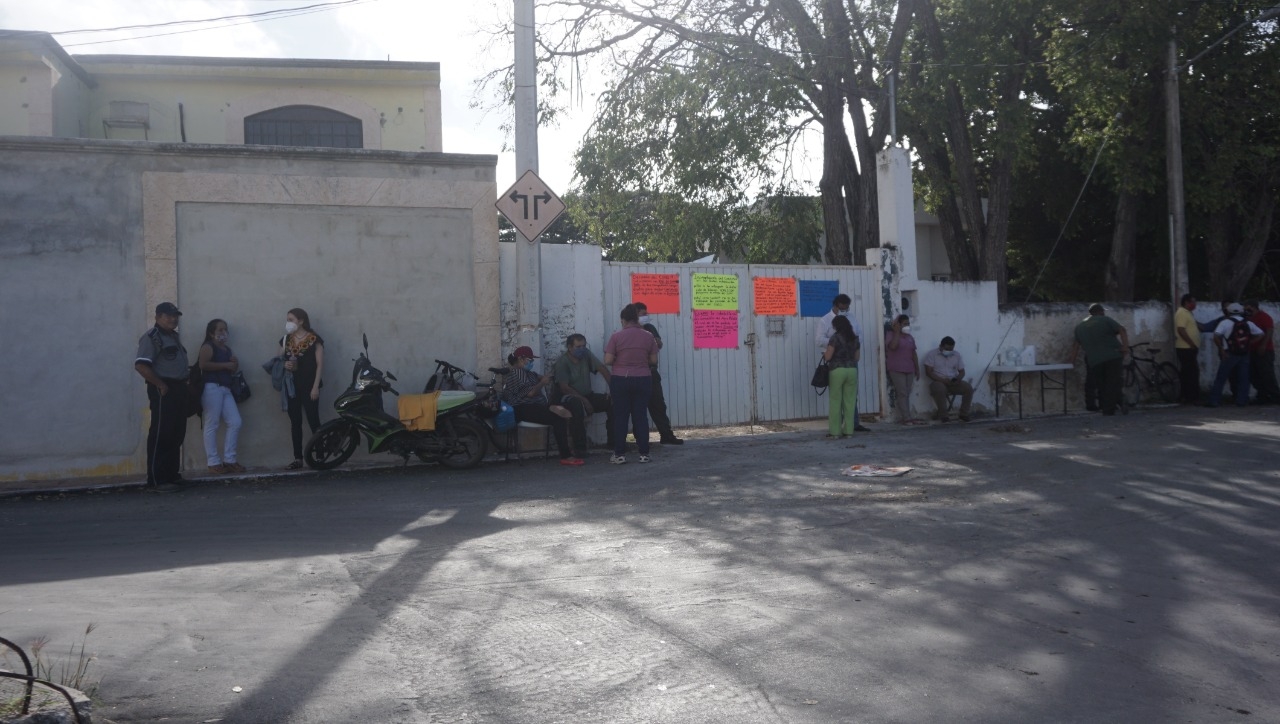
x: 219, y: 407
x: 842, y: 413
x: 630, y: 404
x: 168, y: 430
x: 1235, y: 367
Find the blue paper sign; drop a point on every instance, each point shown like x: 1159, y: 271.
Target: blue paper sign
x: 816, y: 296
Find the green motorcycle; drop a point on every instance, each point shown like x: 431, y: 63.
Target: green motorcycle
x: 458, y: 440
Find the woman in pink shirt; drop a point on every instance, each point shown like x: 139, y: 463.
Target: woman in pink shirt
x: 629, y: 353
x: 903, y: 365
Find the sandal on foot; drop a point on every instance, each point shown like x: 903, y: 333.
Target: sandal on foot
x: 295, y: 465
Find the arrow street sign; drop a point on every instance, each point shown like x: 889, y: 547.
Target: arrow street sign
x: 530, y: 206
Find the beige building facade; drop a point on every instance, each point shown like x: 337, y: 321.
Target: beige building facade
x: 237, y: 188
x: 48, y: 92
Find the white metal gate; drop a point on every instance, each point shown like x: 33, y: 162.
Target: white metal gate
x: 766, y: 378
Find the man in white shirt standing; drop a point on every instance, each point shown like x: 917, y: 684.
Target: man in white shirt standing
x: 1235, y: 338
x: 822, y: 336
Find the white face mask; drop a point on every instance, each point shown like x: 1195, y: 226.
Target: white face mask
x: 906, y: 329
x: 947, y: 352
x: 644, y: 319
x: 842, y: 312
x: 221, y: 337
x: 290, y: 327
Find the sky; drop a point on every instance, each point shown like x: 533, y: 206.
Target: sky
x: 451, y: 33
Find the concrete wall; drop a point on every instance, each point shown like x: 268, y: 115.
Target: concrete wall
x: 399, y: 107
x: 93, y: 234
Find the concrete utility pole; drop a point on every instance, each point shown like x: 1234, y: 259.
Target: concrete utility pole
x: 1178, y: 279
x: 1179, y: 282
x: 528, y: 251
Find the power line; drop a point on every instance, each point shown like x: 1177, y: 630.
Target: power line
x: 244, y: 18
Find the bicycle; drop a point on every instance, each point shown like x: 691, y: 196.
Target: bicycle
x: 1146, y: 371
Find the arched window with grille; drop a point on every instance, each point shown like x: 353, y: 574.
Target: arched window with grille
x: 303, y: 126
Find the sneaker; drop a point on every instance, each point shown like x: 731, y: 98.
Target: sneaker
x: 234, y: 467
x: 220, y: 469
x: 964, y: 418
x: 617, y: 459
x: 644, y: 458
x: 671, y: 441
x: 572, y: 461
x: 164, y: 488
x: 861, y: 428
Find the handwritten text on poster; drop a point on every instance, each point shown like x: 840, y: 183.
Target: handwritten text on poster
x: 774, y: 295
x: 715, y: 291
x: 659, y: 292
x: 715, y: 329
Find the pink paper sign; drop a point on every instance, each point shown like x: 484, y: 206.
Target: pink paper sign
x: 715, y: 329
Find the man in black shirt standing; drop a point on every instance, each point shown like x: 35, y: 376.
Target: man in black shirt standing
x: 162, y: 362
x: 657, y: 404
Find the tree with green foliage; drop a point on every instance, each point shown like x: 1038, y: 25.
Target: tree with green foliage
x: 736, y: 70
x: 1111, y: 65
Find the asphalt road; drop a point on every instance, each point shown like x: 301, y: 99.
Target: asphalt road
x: 1077, y: 569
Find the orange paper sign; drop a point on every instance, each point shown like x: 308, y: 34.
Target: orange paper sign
x: 659, y: 292
x: 775, y: 295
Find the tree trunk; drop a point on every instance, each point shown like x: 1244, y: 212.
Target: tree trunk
x: 835, y: 146
x: 1217, y: 249
x: 1121, y: 266
x: 1237, y: 237
x: 960, y: 252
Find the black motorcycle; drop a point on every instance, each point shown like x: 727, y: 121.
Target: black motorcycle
x: 458, y: 440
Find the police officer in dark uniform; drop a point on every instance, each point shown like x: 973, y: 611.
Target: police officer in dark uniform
x: 162, y: 362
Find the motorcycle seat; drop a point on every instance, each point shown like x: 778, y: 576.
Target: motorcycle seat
x: 450, y: 399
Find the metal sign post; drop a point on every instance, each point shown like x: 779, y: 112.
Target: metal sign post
x: 530, y: 205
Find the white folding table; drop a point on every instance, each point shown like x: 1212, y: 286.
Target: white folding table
x: 1013, y: 386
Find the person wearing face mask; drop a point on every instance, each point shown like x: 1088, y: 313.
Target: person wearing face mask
x: 526, y: 392
x: 218, y: 363
x: 903, y: 366
x: 632, y: 353
x: 945, y: 369
x: 573, y: 374
x: 303, y: 352
x: 657, y: 401
x: 839, y: 308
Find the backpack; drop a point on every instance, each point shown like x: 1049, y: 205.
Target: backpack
x: 1240, y: 339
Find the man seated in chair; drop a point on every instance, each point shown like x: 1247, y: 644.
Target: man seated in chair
x: 573, y: 375
x: 945, y: 368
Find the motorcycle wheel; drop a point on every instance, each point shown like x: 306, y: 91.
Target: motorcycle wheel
x: 332, y: 444
x: 464, y: 441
